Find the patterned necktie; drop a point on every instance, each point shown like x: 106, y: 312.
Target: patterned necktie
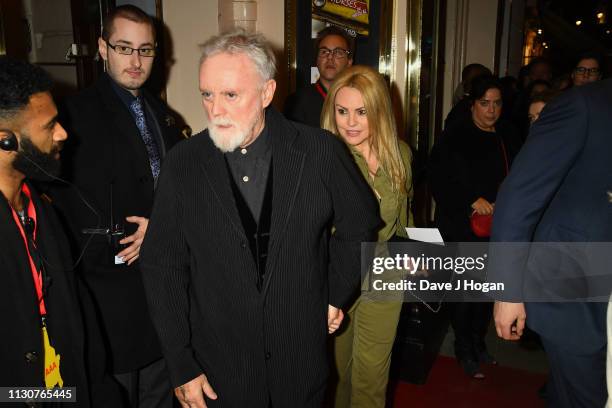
x: 147, y: 137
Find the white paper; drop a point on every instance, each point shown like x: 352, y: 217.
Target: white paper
x: 431, y: 235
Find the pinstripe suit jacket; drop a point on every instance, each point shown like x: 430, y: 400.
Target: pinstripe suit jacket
x: 200, y: 277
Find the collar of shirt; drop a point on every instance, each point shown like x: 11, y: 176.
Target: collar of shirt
x: 362, y: 163
x: 126, y: 96
x: 321, y: 89
x: 258, y: 149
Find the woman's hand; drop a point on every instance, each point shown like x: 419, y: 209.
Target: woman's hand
x: 483, y: 207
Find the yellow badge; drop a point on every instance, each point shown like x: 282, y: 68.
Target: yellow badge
x: 52, y: 364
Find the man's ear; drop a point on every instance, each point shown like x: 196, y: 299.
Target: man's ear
x: 350, y: 63
x: 102, y: 48
x: 268, y: 92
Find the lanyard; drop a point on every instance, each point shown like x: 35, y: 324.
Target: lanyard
x: 36, y: 275
x: 321, y: 90
x: 503, y: 149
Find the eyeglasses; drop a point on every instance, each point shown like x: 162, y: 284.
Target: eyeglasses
x: 124, y: 50
x: 590, y: 71
x: 337, y: 53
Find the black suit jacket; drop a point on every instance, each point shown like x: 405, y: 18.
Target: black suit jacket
x: 557, y: 191
x: 201, y: 278
x: 71, y: 322
x: 305, y: 106
x: 105, y: 149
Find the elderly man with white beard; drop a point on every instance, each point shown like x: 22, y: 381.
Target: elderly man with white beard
x: 244, y: 276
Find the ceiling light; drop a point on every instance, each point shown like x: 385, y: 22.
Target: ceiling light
x: 578, y: 22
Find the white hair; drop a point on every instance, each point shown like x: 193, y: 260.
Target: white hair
x: 238, y: 41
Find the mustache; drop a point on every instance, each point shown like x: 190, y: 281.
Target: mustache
x: 56, y: 148
x: 222, y: 122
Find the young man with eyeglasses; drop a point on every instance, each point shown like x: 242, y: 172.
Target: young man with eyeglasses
x: 334, y: 49
x: 120, y: 134
x: 587, y: 70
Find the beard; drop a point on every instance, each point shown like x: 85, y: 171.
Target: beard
x: 121, y: 77
x: 35, y: 164
x: 228, y: 140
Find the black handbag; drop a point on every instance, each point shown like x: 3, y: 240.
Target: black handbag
x: 420, y: 334
x: 421, y: 330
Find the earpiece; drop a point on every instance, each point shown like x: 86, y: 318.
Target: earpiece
x: 8, y: 142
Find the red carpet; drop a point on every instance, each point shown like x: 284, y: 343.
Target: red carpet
x: 449, y: 387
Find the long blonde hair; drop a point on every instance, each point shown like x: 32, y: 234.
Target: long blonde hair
x: 381, y: 123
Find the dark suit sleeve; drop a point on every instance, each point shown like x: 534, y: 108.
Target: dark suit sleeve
x: 355, y: 220
x: 555, y: 141
x: 289, y: 110
x: 165, y: 272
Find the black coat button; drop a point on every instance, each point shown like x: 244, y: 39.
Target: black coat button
x: 268, y: 356
x: 31, y: 356
x: 243, y: 244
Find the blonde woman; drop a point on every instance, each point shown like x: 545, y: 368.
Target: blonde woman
x: 358, y: 110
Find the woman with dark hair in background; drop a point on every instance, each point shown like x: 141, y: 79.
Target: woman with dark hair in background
x: 468, y: 164
x: 461, y: 103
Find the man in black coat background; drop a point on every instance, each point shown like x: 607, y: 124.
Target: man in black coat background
x: 558, y: 191
x: 119, y: 134
x: 242, y: 277
x: 335, y: 50
x: 41, y: 301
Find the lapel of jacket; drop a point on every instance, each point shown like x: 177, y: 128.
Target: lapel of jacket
x: 162, y: 120
x: 288, y: 163
x: 214, y: 169
x: 61, y: 294
x: 129, y: 135
x: 13, y: 244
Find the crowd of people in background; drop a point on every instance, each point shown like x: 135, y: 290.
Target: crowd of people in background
x: 215, y: 309
x: 490, y: 121
x: 504, y: 129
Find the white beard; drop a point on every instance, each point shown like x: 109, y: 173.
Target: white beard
x: 232, y: 138
x: 229, y: 141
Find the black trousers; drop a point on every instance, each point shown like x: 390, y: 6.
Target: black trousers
x: 148, y: 387
x: 575, y: 381
x: 470, y: 323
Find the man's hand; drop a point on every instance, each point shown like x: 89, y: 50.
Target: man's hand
x: 334, y: 318
x: 191, y: 394
x: 131, y: 253
x: 483, y: 207
x: 509, y: 320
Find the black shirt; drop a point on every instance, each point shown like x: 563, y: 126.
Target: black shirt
x: 250, y: 167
